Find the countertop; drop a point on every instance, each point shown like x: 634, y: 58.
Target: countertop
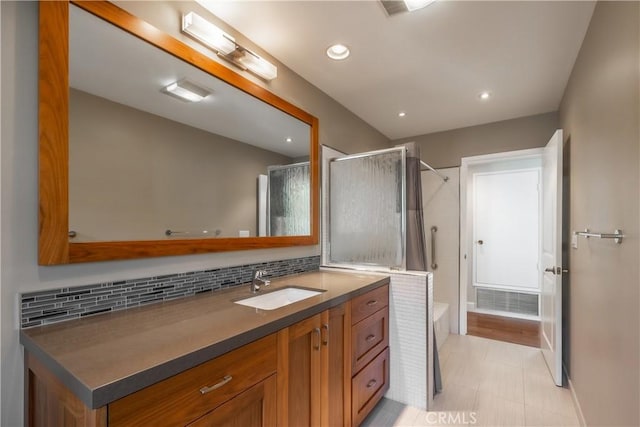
x: 108, y: 356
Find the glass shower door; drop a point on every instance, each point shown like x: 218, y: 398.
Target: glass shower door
x: 289, y: 200
x: 367, y: 210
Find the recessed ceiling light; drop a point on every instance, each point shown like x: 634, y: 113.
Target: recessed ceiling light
x: 288, y: 139
x: 402, y: 114
x: 338, y: 52
x: 484, y: 96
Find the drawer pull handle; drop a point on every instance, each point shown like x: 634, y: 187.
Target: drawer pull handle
x: 372, y: 302
x: 325, y: 341
x: 226, y: 379
x: 370, y: 338
x: 371, y: 383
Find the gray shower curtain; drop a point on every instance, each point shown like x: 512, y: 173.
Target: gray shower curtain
x: 416, y: 251
x: 416, y: 246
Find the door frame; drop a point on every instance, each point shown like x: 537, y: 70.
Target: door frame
x: 466, y: 218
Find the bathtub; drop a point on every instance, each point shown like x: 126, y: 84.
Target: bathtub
x: 441, y: 322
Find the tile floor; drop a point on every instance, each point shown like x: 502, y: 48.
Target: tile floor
x: 486, y: 383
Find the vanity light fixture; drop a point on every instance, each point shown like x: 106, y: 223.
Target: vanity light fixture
x: 402, y: 114
x: 256, y: 64
x: 484, y: 96
x: 186, y: 91
x: 205, y: 32
x: 226, y: 47
x: 338, y: 52
x: 288, y: 140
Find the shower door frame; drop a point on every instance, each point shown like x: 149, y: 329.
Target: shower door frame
x: 326, y: 234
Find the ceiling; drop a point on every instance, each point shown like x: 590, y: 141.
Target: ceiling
x: 431, y: 63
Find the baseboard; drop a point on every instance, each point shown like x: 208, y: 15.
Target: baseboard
x: 574, y: 398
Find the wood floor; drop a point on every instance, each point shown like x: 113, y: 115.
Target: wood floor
x: 517, y: 331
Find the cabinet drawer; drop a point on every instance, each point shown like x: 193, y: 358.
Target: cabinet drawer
x: 369, y: 386
x: 255, y: 407
x: 187, y: 396
x: 367, y: 304
x: 369, y: 337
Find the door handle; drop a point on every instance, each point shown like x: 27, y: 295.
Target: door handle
x: 556, y: 270
x: 480, y: 242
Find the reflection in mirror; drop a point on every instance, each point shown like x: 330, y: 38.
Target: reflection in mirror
x: 288, y: 188
x: 143, y: 162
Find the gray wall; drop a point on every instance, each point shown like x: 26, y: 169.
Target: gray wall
x: 19, y: 189
x: 133, y: 174
x: 445, y: 149
x: 600, y: 117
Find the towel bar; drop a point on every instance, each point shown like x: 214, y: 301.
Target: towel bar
x: 617, y: 235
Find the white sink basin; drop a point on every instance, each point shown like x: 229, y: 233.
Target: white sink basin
x: 279, y: 298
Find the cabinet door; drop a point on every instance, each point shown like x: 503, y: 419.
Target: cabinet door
x: 336, y: 396
x: 49, y: 403
x: 255, y: 407
x: 299, y: 373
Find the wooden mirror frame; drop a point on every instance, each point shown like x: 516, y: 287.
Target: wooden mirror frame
x: 53, y: 240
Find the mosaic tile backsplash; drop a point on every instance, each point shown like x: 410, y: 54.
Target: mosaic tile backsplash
x: 56, y: 305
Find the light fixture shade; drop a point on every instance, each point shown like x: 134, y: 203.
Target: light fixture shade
x: 207, y: 33
x: 258, y: 65
x: 186, y: 91
x: 417, y: 4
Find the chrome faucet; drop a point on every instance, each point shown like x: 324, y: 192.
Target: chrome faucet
x: 258, y: 281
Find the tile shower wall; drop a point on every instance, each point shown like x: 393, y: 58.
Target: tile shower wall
x: 56, y: 305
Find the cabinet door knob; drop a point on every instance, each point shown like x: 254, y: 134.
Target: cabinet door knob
x: 226, y: 379
x: 370, y: 338
x: 371, y: 383
x: 372, y: 303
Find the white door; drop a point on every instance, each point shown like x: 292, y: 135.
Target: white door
x: 551, y: 295
x: 506, y: 220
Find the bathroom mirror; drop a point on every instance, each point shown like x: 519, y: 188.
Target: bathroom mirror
x: 128, y: 170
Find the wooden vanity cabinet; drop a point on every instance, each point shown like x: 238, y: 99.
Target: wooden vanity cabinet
x: 312, y: 370
x: 237, y: 388
x: 330, y: 370
x: 369, y: 351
